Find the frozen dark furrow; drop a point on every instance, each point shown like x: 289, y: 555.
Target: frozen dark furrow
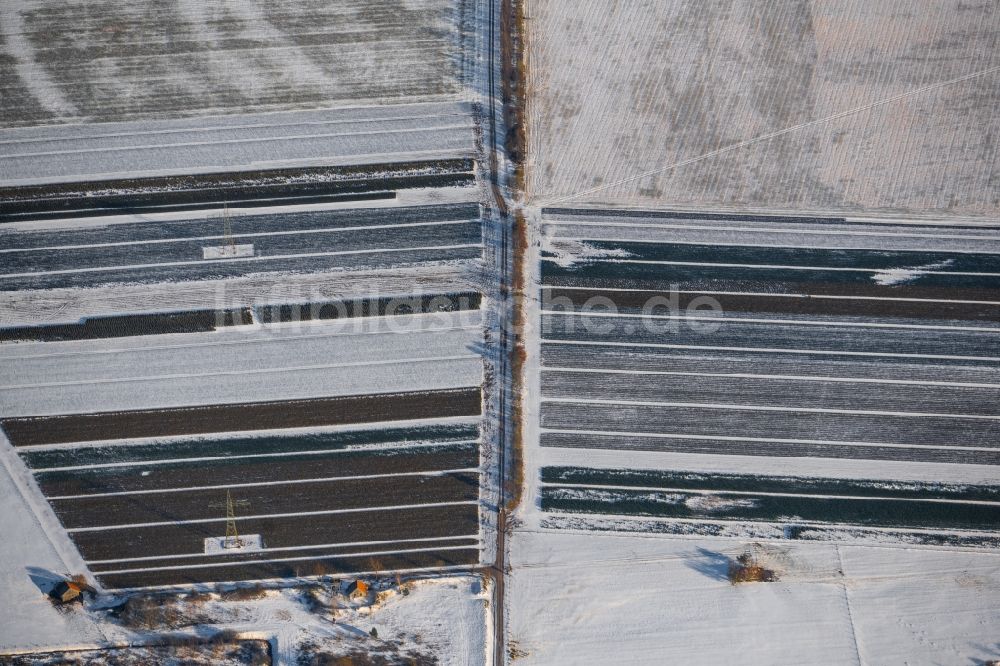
x: 767, y: 424
x: 769, y: 449
x: 804, y: 337
x: 728, y: 277
x: 282, y: 532
x: 223, y: 446
x: 926, y: 311
x: 301, y: 566
x: 946, y: 262
x: 771, y: 392
x: 212, y: 225
x: 628, y: 358
x: 265, y: 500
x: 231, y: 268
x: 235, y: 470
x: 75, y: 258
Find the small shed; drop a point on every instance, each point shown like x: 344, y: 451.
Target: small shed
x: 356, y: 589
x: 66, y: 591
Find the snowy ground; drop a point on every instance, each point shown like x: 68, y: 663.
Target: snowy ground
x: 79, y: 61
x: 576, y: 598
x: 360, y: 135
x: 851, y: 106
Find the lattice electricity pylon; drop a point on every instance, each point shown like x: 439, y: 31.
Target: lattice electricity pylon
x: 227, y: 229
x: 232, y: 539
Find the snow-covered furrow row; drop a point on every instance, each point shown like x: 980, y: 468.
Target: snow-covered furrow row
x: 363, y: 553
x: 626, y: 359
x: 764, y: 423
x: 795, y: 338
x: 328, y: 342
x: 272, y: 243
x: 348, y: 337
x: 773, y: 392
x: 296, y: 514
x: 132, y: 229
x: 706, y: 447
x: 213, y: 270
x: 274, y: 384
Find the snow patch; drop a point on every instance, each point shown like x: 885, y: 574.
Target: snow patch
x: 246, y: 543
x: 713, y: 503
x: 888, y: 277
x: 226, y: 251
x: 567, y: 253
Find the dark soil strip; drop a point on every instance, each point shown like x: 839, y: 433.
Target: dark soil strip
x: 319, y: 566
x: 810, y: 533
x: 865, y: 512
x: 245, y: 445
x: 249, y: 185
x: 772, y: 392
x: 798, y: 285
x: 769, y: 484
x: 783, y: 256
x: 211, y: 204
x: 218, y: 649
x: 256, y: 470
x: 270, y: 555
x: 375, y: 307
x: 787, y: 425
x: 638, y: 301
x: 121, y: 326
x: 200, y: 321
x: 245, y: 416
x: 770, y: 449
x: 267, y: 500
x: 242, y: 224
x: 680, y: 215
x: 283, y: 532
x: 756, y: 278
x: 763, y: 363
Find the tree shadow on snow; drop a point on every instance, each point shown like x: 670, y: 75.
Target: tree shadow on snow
x: 710, y: 563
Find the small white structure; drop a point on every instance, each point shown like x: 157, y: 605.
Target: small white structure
x: 226, y: 251
x: 245, y: 543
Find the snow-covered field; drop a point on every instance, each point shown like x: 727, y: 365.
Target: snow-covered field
x: 852, y: 106
x: 328, y: 137
x: 593, y: 598
x: 72, y: 62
